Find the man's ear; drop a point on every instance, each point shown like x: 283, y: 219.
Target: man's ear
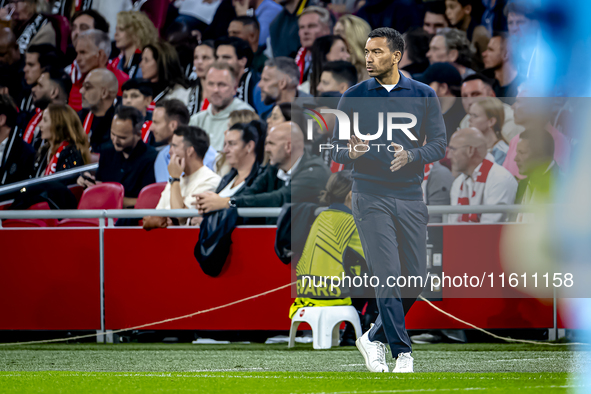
x: 397, y: 57
x: 148, y: 100
x: 288, y: 147
x: 104, y: 93
x: 343, y: 86
x: 453, y: 55
x: 55, y: 92
x: 191, y: 151
x: 468, y: 9
x: 173, y: 124
x: 103, y: 58
x: 282, y: 83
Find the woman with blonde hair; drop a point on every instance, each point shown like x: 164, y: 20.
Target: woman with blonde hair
x: 488, y: 116
x: 355, y: 31
x: 64, y: 143
x: 133, y: 32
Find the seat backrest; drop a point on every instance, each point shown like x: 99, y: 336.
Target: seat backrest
x: 150, y: 195
x: 77, y: 191
x: 40, y: 206
x: 108, y: 195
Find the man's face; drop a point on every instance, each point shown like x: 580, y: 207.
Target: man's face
x: 247, y: 33
x: 42, y: 91
x: 23, y: 10
x: 91, y: 92
x: 269, y: 85
x: 88, y: 56
x: 432, y: 22
x: 310, y: 28
x: 234, y: 147
x: 473, y: 90
x: 122, y: 135
x: 134, y: 98
x: 455, y: 12
x: 519, y: 25
x: 227, y: 54
x: 438, y: 50
x: 379, y: 59
x: 276, y: 147
x: 161, y: 125
x: 178, y: 147
x: 329, y: 84
x: 221, y: 87
x: 458, y: 154
x: 32, y: 68
x: 82, y: 23
x: 493, y: 56
x: 523, y: 157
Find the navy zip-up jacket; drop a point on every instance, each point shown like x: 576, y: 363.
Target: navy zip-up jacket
x: 371, y: 172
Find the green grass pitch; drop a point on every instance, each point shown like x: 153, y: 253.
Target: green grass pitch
x: 161, y: 368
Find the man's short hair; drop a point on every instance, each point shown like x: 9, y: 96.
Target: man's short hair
x: 287, y: 66
x: 224, y: 66
x: 195, y: 137
x: 458, y: 40
x: 143, y: 85
x: 436, y: 7
x: 342, y: 71
x: 323, y: 13
x: 241, y: 47
x: 8, y: 108
x: 521, y: 7
x: 541, y: 142
x: 479, y: 76
x: 175, y: 110
x: 48, y: 55
x: 100, y: 23
x: 248, y: 21
x: 60, y: 78
x: 133, y: 114
x: 99, y: 38
x: 393, y: 37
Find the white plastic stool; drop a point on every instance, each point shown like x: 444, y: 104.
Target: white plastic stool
x: 325, y: 322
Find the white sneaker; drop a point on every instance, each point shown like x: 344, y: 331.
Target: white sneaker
x: 404, y: 363
x: 374, y: 353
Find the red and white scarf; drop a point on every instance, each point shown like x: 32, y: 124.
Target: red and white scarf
x: 52, y: 165
x: 476, y: 195
x: 88, y: 123
x: 31, y: 129
x: 114, y: 63
x: 428, y: 168
x: 146, y: 131
x: 300, y: 60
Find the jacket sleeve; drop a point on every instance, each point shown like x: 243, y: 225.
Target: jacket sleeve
x: 433, y: 127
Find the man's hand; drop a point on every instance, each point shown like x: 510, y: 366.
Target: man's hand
x: 240, y: 6
x: 362, y: 146
x: 209, y: 201
x: 400, y: 157
x: 85, y: 182
x: 176, y: 167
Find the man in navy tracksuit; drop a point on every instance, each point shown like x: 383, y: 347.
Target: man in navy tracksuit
x: 387, y: 196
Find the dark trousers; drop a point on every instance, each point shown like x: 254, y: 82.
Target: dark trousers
x: 393, y: 234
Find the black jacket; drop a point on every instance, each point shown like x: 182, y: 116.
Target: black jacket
x: 307, y: 181
x: 100, y: 135
x: 256, y: 170
x: 17, y: 160
x: 70, y: 157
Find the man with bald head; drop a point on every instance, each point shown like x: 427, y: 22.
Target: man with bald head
x: 480, y: 181
x: 98, y: 96
x: 93, y: 48
x: 293, y: 175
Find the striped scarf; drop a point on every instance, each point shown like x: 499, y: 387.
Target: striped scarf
x: 476, y: 195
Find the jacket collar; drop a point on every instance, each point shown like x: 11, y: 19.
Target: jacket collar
x: 403, y: 83
x: 337, y: 206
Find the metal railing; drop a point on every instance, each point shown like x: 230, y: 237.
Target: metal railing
x: 243, y: 212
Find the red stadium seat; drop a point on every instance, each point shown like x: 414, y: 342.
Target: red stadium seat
x: 77, y: 191
x: 108, y: 195
x: 149, y: 196
x: 41, y: 206
x: 5, y: 204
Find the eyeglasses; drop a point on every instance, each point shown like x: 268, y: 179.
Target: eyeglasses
x: 455, y: 148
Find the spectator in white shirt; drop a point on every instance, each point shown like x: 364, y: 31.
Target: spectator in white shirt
x: 481, y: 180
x: 188, y: 175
